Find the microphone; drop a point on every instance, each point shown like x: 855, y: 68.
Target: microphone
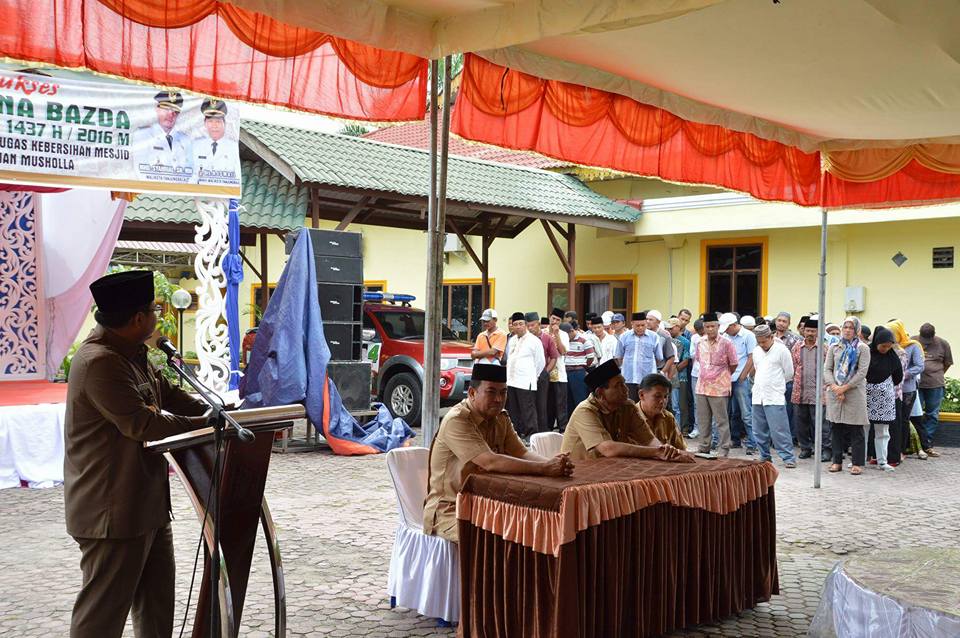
x: 166, y: 347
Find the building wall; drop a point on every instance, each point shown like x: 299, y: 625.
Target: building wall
x: 667, y: 269
x: 664, y: 256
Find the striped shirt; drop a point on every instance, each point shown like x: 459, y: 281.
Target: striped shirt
x: 579, y: 354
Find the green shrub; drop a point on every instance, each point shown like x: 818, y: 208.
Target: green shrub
x: 951, y: 396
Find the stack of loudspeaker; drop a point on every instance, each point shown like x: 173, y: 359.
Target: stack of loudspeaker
x: 338, y: 260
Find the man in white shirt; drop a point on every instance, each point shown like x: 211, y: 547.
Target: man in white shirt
x: 590, y: 335
x: 608, y: 343
x: 558, y: 408
x: 161, y: 151
x: 217, y: 158
x: 773, y: 365
x: 525, y: 362
x: 695, y: 338
x: 654, y: 320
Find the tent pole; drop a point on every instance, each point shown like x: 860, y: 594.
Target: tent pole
x: 821, y: 324
x: 572, y: 273
x: 436, y: 223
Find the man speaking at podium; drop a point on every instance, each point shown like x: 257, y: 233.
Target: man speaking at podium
x: 116, y: 494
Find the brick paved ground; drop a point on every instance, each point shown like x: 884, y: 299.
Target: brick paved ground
x: 336, y: 518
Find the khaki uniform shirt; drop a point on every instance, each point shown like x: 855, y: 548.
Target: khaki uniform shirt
x: 590, y: 425
x: 664, y: 427
x: 113, y: 487
x: 463, y: 436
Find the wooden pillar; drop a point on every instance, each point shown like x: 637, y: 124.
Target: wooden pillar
x: 314, y: 208
x: 572, y: 271
x: 264, y: 277
x: 485, y: 270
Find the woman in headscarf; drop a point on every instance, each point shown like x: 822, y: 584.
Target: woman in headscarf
x: 911, y: 357
x: 845, y: 372
x: 883, y: 375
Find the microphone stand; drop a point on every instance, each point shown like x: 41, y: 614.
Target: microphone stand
x: 220, y: 420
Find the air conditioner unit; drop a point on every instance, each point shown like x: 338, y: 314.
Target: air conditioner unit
x: 452, y: 243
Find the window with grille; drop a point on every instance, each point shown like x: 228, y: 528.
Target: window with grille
x: 943, y: 257
x: 734, y: 276
x: 461, y: 307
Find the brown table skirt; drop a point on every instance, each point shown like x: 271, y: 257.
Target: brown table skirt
x: 659, y: 569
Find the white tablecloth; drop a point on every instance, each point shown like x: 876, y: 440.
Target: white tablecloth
x: 31, y: 445
x: 909, y: 593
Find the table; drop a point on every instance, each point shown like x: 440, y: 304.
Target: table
x: 625, y: 547
x: 904, y: 592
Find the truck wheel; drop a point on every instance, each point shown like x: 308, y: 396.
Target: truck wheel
x: 403, y: 397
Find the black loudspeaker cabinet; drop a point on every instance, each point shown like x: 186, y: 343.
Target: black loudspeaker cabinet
x: 338, y: 259
x: 339, y: 270
x: 343, y: 339
x: 340, y: 302
x: 352, y: 379
x: 335, y: 243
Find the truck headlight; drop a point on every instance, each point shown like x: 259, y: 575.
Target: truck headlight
x: 448, y: 364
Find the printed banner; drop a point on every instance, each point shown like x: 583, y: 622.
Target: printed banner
x: 107, y: 134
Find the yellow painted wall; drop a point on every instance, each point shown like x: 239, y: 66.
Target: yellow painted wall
x: 664, y: 255
x: 858, y: 255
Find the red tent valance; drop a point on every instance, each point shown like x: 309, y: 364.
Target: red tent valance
x: 218, y: 49
x: 587, y: 126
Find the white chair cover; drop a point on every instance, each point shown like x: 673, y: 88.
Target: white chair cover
x: 546, y: 443
x: 424, y: 570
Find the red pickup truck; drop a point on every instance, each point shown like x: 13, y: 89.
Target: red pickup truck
x: 393, y: 342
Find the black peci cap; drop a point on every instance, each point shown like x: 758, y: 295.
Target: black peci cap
x: 123, y: 291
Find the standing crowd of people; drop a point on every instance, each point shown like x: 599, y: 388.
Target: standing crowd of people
x: 735, y: 381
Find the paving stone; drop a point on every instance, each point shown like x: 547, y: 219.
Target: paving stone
x: 336, y: 547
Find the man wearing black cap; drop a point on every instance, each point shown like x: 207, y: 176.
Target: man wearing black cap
x: 609, y: 424
x: 639, y: 353
x: 216, y: 154
x: 116, y: 494
x: 538, y: 327
x: 716, y: 358
x: 525, y: 362
x: 804, y: 395
x: 159, y: 149
x: 558, y: 408
x: 477, y: 435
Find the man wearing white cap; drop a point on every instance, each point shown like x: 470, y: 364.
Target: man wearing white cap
x: 492, y: 342
x: 744, y: 342
x: 654, y: 321
x: 748, y: 322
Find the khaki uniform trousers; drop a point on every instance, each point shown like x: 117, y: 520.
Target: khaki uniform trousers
x: 710, y: 409
x: 120, y: 574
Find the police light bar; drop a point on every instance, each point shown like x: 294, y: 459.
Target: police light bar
x: 388, y: 296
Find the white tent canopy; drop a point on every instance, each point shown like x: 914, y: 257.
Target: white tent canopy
x: 814, y: 74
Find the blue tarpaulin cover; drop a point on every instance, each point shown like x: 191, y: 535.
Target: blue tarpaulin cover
x: 289, y: 359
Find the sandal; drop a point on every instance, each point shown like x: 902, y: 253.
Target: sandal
x: 856, y: 470
x: 836, y: 467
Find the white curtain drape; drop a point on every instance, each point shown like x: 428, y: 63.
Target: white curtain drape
x: 80, y: 230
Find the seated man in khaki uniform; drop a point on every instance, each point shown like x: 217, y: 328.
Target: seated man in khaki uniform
x: 609, y: 424
x: 654, y: 393
x: 477, y: 435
